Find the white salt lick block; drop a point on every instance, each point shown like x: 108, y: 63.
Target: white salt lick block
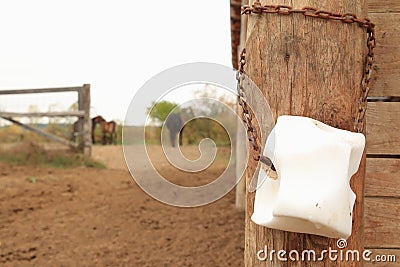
x: 314, y: 163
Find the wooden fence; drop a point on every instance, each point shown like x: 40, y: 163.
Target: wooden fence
x: 382, y: 183
x: 83, y: 113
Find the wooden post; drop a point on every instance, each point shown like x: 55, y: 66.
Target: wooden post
x: 240, y: 197
x: 85, y: 142
x: 309, y: 67
x: 240, y: 200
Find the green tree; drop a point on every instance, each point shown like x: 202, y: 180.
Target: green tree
x: 159, y: 111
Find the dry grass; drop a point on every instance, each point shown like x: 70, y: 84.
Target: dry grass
x: 42, y: 154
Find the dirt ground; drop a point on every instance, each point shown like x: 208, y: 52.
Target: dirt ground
x: 100, y: 217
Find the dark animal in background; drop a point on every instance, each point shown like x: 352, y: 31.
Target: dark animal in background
x: 174, y: 123
x: 96, y: 120
x: 76, y: 130
x: 108, y: 129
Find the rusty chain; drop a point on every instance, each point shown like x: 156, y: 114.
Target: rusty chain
x: 347, y: 18
x: 247, y: 116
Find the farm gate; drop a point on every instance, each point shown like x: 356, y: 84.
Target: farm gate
x: 83, y: 113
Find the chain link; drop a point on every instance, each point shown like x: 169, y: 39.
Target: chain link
x: 247, y: 116
x: 347, y: 18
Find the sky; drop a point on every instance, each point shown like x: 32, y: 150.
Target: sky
x: 116, y: 46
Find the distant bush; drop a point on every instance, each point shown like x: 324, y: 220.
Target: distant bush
x: 198, y: 129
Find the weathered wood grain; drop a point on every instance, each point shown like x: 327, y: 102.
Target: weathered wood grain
x: 84, y: 106
x: 383, y: 128
x: 388, y: 253
x: 383, y: 177
x: 309, y: 67
x: 240, y: 201
x: 386, y: 15
x: 386, y: 78
x: 383, y: 6
x: 40, y: 90
x: 43, y: 114
x: 382, y: 222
